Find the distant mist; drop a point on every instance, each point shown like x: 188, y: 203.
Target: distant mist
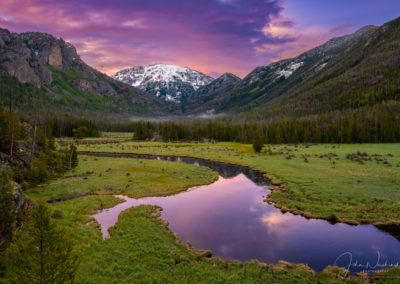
x: 205, y: 115
x: 155, y: 119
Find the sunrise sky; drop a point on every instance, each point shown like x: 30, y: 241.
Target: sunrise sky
x: 212, y: 36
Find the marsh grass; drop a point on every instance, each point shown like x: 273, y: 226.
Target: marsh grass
x: 142, y: 249
x: 358, y: 183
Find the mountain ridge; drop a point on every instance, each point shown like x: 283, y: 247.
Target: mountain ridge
x: 265, y: 83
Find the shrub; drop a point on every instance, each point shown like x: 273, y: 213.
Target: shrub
x: 258, y: 144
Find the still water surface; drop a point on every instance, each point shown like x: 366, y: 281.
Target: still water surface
x: 231, y: 218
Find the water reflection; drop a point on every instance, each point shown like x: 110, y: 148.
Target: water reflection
x: 230, y: 218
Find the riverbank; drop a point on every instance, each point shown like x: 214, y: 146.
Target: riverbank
x: 352, y: 183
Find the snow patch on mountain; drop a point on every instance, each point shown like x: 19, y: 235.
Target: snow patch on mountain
x: 320, y: 67
x: 289, y: 69
x: 173, y: 83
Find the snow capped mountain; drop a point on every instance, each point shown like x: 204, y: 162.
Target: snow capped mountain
x: 173, y: 83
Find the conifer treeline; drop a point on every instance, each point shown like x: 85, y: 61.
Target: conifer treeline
x: 29, y: 152
x: 377, y: 124
x: 68, y: 126
x: 60, y: 125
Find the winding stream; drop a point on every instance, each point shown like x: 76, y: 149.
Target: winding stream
x: 230, y: 218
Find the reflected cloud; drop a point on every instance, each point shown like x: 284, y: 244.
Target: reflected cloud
x: 230, y: 218
x: 277, y: 222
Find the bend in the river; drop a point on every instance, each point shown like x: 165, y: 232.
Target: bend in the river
x: 231, y: 218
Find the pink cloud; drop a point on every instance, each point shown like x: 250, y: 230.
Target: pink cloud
x: 306, y: 38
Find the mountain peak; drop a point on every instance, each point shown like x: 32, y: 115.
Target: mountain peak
x: 228, y: 76
x: 171, y: 82
x: 211, y: 91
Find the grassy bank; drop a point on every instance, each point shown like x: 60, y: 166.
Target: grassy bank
x: 355, y: 183
x: 132, y: 177
x: 141, y: 248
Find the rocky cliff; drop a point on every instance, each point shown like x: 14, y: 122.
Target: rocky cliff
x: 53, y: 65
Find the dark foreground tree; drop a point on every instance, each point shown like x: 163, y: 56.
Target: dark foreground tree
x: 41, y: 251
x: 7, y: 215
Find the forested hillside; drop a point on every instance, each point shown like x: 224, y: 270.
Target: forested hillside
x: 29, y: 156
x: 366, y: 75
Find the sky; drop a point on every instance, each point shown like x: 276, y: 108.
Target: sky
x: 211, y: 36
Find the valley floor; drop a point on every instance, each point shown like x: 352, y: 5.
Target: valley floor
x: 353, y: 183
x: 325, y: 181
x: 141, y: 247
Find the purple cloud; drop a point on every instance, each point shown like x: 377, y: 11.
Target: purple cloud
x: 209, y: 35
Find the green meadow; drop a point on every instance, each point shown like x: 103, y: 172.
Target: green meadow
x: 354, y: 183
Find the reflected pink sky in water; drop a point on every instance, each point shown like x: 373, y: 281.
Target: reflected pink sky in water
x: 231, y: 218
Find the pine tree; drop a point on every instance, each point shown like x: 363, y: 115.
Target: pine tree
x: 4, y: 130
x: 73, y: 160
x: 39, y: 171
x: 41, y: 251
x: 14, y: 130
